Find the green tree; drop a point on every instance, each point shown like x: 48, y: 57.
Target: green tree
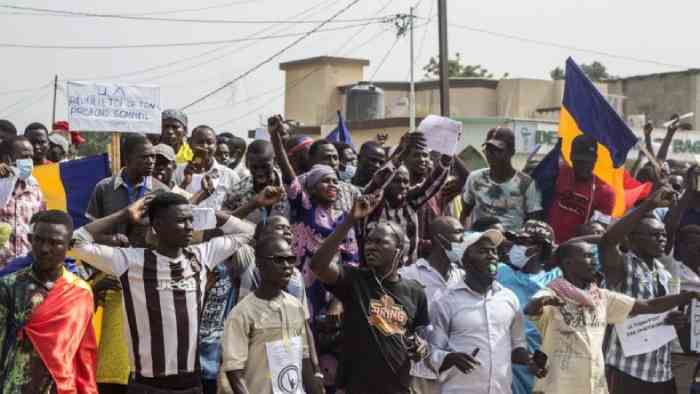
x: 596, y: 71
x: 455, y: 69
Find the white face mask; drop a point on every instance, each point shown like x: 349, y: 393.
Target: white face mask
x: 24, y: 168
x: 518, y: 256
x: 455, y: 252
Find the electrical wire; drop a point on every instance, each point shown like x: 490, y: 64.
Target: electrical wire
x: 379, y: 67
x: 180, y: 44
x: 298, y: 82
x: 54, y: 12
x: 25, y: 90
x: 568, y: 47
x: 211, y: 7
x: 270, y: 58
x: 310, y: 11
x: 23, y: 100
x: 31, y: 104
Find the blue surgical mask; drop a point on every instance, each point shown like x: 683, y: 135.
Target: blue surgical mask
x: 24, y: 168
x: 518, y: 256
x: 348, y: 172
x: 455, y: 252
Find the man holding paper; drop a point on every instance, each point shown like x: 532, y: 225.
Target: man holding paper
x: 640, y: 275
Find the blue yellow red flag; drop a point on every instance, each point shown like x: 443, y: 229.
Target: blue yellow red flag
x: 67, y: 186
x: 584, y: 110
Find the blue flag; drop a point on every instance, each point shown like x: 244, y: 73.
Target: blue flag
x: 340, y: 133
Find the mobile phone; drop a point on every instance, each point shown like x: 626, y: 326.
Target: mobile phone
x: 540, y: 358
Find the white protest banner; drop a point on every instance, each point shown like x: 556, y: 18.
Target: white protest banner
x: 695, y: 326
x: 441, y: 134
x: 644, y: 333
x: 203, y: 218
x: 111, y: 107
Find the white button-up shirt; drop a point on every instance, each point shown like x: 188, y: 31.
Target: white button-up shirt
x: 464, y: 320
x: 433, y: 282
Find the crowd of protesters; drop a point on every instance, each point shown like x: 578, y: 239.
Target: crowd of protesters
x: 330, y: 269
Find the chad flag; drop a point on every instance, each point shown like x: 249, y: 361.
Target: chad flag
x: 68, y: 186
x: 585, y: 111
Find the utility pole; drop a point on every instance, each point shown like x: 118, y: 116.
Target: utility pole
x: 55, y: 87
x: 444, y: 76
x: 412, y: 97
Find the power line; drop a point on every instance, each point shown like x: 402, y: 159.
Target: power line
x: 54, y: 12
x: 180, y: 44
x: 270, y: 58
x: 211, y: 7
x: 567, y: 47
x: 30, y: 104
x: 311, y: 10
x: 298, y: 82
x: 21, y: 101
x: 25, y: 90
x: 381, y: 63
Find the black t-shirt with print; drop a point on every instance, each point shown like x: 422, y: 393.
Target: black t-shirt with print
x: 375, y: 322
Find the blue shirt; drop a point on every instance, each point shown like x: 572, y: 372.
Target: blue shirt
x: 525, y: 286
x: 18, y: 263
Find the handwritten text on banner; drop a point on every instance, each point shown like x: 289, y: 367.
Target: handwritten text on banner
x: 108, y: 107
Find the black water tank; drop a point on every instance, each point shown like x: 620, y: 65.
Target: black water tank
x: 364, y: 102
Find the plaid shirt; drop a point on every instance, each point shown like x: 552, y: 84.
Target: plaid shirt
x: 643, y: 284
x: 26, y: 200
x: 242, y: 192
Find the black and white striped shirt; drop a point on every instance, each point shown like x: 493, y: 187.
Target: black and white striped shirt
x: 163, y: 296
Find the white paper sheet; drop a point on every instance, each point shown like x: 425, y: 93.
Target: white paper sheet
x: 644, y: 333
x: 7, y: 186
x: 196, y: 184
x: 695, y: 326
x: 442, y: 134
x: 284, y: 359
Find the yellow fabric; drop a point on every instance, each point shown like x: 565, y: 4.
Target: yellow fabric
x: 574, y: 342
x: 604, y: 168
x: 184, y: 155
x: 112, y: 354
x: 97, y: 323
x: 49, y: 178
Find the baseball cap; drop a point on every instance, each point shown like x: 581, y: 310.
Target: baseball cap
x: 175, y: 114
x: 494, y: 236
x: 583, y: 146
x: 501, y: 138
x: 60, y: 140
x: 165, y: 151
x: 536, y: 230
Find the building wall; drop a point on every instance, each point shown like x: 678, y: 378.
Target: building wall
x: 311, y: 94
x: 661, y: 95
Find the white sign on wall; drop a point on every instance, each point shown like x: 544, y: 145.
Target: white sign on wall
x: 111, y: 107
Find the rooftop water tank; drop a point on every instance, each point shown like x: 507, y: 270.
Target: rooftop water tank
x: 364, y: 102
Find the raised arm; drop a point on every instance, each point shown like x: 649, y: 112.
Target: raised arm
x: 276, y: 128
x: 648, y: 128
x: 267, y: 197
x: 666, y: 143
x: 610, y: 255
x: 322, y: 263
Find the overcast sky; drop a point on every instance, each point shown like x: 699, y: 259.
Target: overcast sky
x: 651, y: 32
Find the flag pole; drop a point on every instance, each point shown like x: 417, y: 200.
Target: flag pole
x: 55, y: 88
x: 412, y: 97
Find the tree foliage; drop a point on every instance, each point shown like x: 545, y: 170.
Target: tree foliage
x: 596, y: 71
x: 455, y: 69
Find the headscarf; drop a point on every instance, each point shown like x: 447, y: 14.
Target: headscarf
x: 316, y: 173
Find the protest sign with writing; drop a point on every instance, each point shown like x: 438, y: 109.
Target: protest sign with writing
x: 110, y: 107
x: 441, y: 134
x: 644, y: 333
x: 695, y: 326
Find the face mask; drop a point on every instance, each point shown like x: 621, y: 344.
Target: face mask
x: 456, y: 252
x: 348, y: 172
x: 518, y: 256
x: 24, y: 168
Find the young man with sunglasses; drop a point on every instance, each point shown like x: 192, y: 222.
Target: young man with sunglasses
x: 638, y: 274
x: 265, y: 349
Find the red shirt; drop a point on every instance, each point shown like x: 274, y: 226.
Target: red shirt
x: 572, y: 204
